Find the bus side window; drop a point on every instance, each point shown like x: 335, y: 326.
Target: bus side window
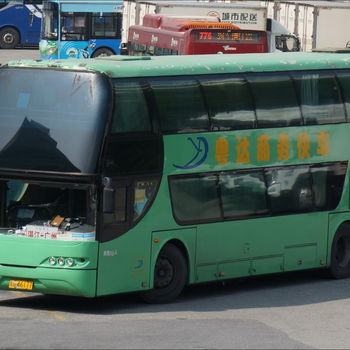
x: 151, y: 50
x: 131, y: 111
x: 180, y: 104
x: 144, y: 193
x: 328, y: 183
x: 258, y: 193
x: 289, y: 190
x: 195, y: 199
x: 36, y: 2
x: 142, y: 49
x: 243, y: 194
x: 134, y: 144
x: 275, y: 99
x: 229, y: 102
x: 344, y: 80
x: 104, y: 25
x: 158, y: 51
x: 135, y: 48
x: 73, y: 26
x: 320, y: 97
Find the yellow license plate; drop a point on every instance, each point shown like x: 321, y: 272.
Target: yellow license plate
x: 19, y: 284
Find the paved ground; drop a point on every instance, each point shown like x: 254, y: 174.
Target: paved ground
x: 19, y: 54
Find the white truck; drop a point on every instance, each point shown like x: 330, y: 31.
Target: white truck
x: 319, y: 24
x: 243, y: 15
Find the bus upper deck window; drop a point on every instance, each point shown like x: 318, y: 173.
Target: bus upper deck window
x: 275, y: 99
x: 320, y: 98
x: 344, y: 80
x: 130, y: 111
x: 229, y: 102
x: 180, y: 104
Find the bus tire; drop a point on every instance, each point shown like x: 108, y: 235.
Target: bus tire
x: 170, y: 276
x: 102, y: 52
x: 340, y: 253
x: 9, y: 38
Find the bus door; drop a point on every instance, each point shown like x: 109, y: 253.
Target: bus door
x: 124, y: 256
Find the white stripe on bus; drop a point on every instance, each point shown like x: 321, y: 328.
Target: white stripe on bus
x: 34, y: 11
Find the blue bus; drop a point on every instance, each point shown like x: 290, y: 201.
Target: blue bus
x: 20, y: 22
x: 80, y: 28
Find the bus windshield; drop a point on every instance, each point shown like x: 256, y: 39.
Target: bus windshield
x: 52, y: 121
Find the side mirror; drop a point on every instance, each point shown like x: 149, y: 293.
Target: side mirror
x: 108, y: 205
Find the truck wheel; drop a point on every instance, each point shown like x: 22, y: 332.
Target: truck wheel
x: 9, y: 38
x: 170, y: 276
x: 102, y: 52
x: 340, y: 254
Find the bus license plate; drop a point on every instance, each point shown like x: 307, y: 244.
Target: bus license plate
x: 19, y: 284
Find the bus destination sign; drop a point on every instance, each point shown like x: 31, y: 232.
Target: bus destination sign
x: 227, y: 36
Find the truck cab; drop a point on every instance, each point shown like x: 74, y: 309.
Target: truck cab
x: 280, y: 39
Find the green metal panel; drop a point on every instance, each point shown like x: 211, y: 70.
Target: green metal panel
x: 124, y: 263
x: 234, y: 269
x: 266, y: 237
x: 269, y: 264
x: 180, y: 148
x: 206, y: 273
x: 301, y: 257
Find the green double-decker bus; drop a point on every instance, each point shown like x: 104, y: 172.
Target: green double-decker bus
x: 145, y: 174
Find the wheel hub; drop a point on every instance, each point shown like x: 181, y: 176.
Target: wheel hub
x: 164, y: 273
x: 8, y: 38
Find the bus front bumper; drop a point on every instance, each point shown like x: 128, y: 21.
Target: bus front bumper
x: 49, y: 281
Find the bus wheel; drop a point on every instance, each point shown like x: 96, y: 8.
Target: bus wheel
x: 340, y: 254
x: 170, y: 276
x: 102, y: 52
x: 9, y: 38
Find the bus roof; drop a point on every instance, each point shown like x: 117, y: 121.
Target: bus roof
x: 145, y: 66
x: 84, y: 2
x: 179, y: 23
x: 89, y: 6
x: 167, y: 3
x: 182, y: 23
